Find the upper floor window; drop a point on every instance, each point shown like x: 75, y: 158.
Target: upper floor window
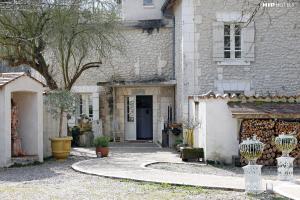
x: 148, y: 2
x: 232, y: 41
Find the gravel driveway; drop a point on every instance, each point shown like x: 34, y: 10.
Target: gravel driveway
x: 220, y: 170
x: 56, y: 180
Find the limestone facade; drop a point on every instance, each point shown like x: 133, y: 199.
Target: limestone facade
x: 273, y: 67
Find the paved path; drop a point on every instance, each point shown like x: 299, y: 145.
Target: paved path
x: 130, y: 162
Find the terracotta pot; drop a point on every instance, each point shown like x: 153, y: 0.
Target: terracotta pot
x: 103, y: 151
x: 61, y: 147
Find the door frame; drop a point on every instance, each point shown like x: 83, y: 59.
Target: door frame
x: 130, y: 128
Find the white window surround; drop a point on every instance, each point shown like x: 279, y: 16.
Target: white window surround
x: 148, y: 6
x: 234, y: 85
x: 148, y: 3
x: 232, y: 17
x: 233, y: 62
x: 227, y: 18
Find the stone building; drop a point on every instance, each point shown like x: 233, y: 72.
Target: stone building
x: 221, y: 48
x: 130, y: 96
x: 260, y: 58
x: 204, y: 46
x: 174, y: 49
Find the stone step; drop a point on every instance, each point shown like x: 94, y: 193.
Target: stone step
x: 24, y: 160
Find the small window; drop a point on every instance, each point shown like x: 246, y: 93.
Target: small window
x: 90, y: 106
x: 232, y: 41
x: 148, y: 2
x: 130, y: 109
x: 236, y: 92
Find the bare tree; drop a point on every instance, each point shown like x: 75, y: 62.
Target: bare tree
x: 60, y: 38
x: 257, y: 8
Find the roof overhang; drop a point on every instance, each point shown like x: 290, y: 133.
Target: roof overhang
x: 6, y: 78
x: 138, y: 84
x: 263, y: 110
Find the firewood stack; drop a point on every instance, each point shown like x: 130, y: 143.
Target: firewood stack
x: 266, y: 130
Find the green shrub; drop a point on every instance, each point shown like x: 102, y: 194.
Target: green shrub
x: 101, y: 141
x: 192, y: 153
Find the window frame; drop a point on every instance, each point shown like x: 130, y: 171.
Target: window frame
x: 86, y: 105
x: 232, y: 46
x: 145, y: 4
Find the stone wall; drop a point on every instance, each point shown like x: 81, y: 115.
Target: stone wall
x: 275, y: 69
x: 135, y: 10
x: 144, y: 57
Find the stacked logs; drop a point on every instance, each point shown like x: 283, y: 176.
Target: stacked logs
x: 266, y: 130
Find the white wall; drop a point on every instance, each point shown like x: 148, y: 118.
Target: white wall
x: 5, y: 141
x: 22, y: 84
x: 218, y: 134
x: 133, y: 10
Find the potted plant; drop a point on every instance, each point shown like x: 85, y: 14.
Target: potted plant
x: 101, y: 143
x: 60, y: 102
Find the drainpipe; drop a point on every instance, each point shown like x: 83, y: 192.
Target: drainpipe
x: 174, y: 51
x: 114, y: 114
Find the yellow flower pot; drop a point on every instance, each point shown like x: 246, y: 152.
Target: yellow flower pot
x: 61, y: 147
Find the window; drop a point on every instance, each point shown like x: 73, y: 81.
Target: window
x: 130, y: 109
x: 86, y: 105
x: 148, y: 2
x: 232, y: 92
x: 232, y: 41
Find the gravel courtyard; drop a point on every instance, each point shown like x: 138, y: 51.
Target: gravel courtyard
x: 56, y: 180
x: 269, y: 173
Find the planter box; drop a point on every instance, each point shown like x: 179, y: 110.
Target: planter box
x: 188, y: 153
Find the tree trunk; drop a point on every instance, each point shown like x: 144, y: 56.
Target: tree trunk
x: 61, y: 117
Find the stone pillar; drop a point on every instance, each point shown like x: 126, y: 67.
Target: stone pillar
x: 188, y: 54
x: 253, y: 181
x: 285, y: 168
x: 96, y: 124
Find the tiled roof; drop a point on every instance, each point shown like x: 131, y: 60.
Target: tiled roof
x: 244, y: 99
x: 6, y: 78
x: 264, y: 110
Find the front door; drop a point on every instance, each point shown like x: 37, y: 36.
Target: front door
x: 130, y: 118
x: 144, y: 113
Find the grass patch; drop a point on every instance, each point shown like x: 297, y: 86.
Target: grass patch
x: 192, y: 190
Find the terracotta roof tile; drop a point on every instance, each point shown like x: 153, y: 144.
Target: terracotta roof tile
x: 244, y: 98
x: 6, y: 78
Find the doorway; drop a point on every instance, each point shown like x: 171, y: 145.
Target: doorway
x: 144, y: 117
x: 139, y: 118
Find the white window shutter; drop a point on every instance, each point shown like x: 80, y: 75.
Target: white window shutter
x: 218, y: 41
x: 248, y: 38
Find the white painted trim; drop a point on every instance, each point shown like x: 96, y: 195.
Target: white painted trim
x: 86, y: 89
x: 149, y: 6
x: 233, y: 85
x: 234, y: 62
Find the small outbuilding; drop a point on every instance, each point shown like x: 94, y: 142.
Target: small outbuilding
x: 226, y: 120
x: 21, y: 117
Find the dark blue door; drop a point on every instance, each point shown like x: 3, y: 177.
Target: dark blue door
x: 144, y: 117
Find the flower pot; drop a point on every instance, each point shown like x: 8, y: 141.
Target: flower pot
x: 103, y: 151
x: 61, y: 147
